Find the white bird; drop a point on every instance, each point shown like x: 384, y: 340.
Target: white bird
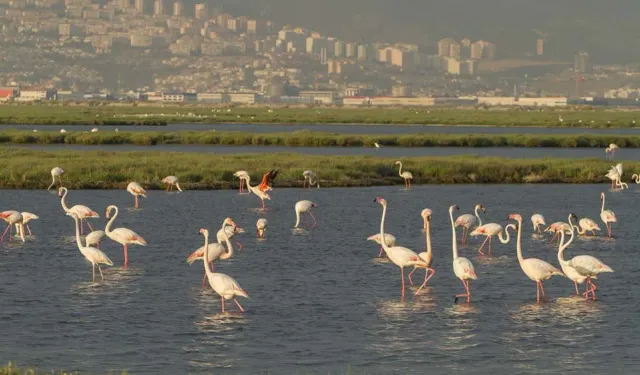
x: 467, y: 221
x: 136, y: 190
x: 12, y: 218
x: 584, y: 225
x: 569, y: 271
x: 170, y: 181
x: 424, y: 214
x: 216, y: 251
x: 256, y: 190
x: 376, y: 144
x: 230, y: 231
x: 310, y: 177
x: 26, y: 218
x: 304, y: 207
x: 261, y: 228
x: 612, y: 148
x: 92, y: 254
x: 123, y: 236
x: 536, y: 269
x: 537, y: 220
x: 82, y: 211
x: 241, y: 175
x: 426, y: 256
x: 389, y: 239
x: 406, y: 175
x: 490, y: 230
x: 615, y: 175
x: 222, y: 284
x: 607, y: 216
x: 589, y: 267
x: 62, y: 131
x: 56, y: 172
x: 462, y: 267
x: 94, y: 238
x: 117, y: 130
x: 94, y: 130
x: 636, y: 178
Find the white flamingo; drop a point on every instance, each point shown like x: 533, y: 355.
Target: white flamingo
x: 170, y: 181
x: 94, y: 238
x: 222, y: 284
x: 490, y: 230
x: 241, y: 175
x: 607, y: 216
x: 615, y: 175
x: 123, y: 236
x: 424, y: 214
x: 12, y: 218
x: 426, y: 256
x: 311, y: 178
x: 256, y: 190
x: 467, y: 221
x: 537, y: 220
x: 231, y: 231
x: 26, y: 218
x: 462, y: 267
x: 83, y: 212
x: 400, y: 256
x: 94, y: 130
x: 92, y: 254
x: 56, y: 172
x: 636, y: 178
x: 376, y: 144
x: 406, y: 175
x: 261, y: 228
x: 136, y: 190
x: 612, y: 148
x: 585, y: 225
x: 536, y: 269
x: 589, y: 267
x: 556, y: 227
x: 215, y: 251
x: 389, y: 239
x: 569, y: 271
x: 304, y: 207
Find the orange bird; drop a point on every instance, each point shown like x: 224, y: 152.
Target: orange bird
x: 267, y: 180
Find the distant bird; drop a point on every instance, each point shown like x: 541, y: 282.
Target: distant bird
x: 256, y: 190
x: 117, y: 130
x: 406, y: 175
x: 94, y: 255
x: 468, y: 221
x: 389, y: 239
x: 136, y: 190
x: 83, y: 212
x: 607, y: 216
x: 35, y: 130
x: 310, y: 177
x: 94, y: 130
x: 377, y: 145
x: 426, y: 256
x: 27, y: 217
x: 240, y: 175
x: 62, y: 131
x: 261, y: 228
x: 12, y: 218
x: 304, y: 207
x: 170, y: 181
x: 56, y: 172
x: 123, y: 236
x: 462, y: 267
x: 94, y: 238
x: 537, y: 220
x: 612, y: 148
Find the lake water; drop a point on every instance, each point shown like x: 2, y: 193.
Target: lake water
x: 335, y: 128
x: 320, y: 302
x: 507, y: 152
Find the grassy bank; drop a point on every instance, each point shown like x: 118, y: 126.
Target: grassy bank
x: 11, y: 369
x: 27, y: 169
x: 147, y: 114
x: 315, y: 139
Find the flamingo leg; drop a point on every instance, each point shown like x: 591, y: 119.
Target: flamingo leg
x: 554, y: 236
x: 29, y: 229
x: 126, y: 256
x: 5, y: 232
x: 10, y: 232
x: 93, y: 269
x: 467, y: 294
x: 490, y: 240
x: 463, y: 241
x: 262, y: 203
x: 89, y: 224
x: 136, y: 201
x: 204, y: 279
x: 101, y: 275
x: 576, y: 285
x: 538, y: 291
x: 222, y: 301
x: 542, y: 289
x: 239, y: 245
x: 426, y: 279
x: 238, y: 303
x: 304, y: 217
x: 402, y: 276
x: 481, y: 246
x: 315, y: 222
x: 414, y: 270
x: 380, y: 253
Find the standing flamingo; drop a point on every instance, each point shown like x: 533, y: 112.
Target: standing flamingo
x: 490, y: 230
x: 535, y: 269
x: 94, y: 238
x: 467, y: 221
x: 607, y: 216
x: 426, y: 256
x: 537, y: 220
x: 585, y: 225
x: 240, y: 175
x: 311, y: 178
x: 267, y: 180
x: 27, y: 217
x: 222, y: 284
x: 123, y: 236
x: 231, y: 231
x: 92, y: 254
x: 612, y: 148
x: 216, y: 251
x: 261, y: 228
x: 304, y: 207
x: 83, y: 212
x: 462, y: 267
x: 136, y: 190
x: 12, y: 218
x: 256, y: 190
x: 406, y: 175
x: 615, y: 175
x: 389, y: 239
x: 170, y: 181
x: 56, y: 172
x: 569, y: 271
x: 588, y: 267
x: 400, y: 256
x: 556, y: 228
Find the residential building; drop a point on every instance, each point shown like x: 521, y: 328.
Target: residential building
x: 363, y: 52
x: 178, y: 8
x: 351, y: 50
x: 454, y: 51
x: 319, y: 97
x: 444, y: 46
x: 158, y: 7
x: 36, y: 94
x: 244, y: 97
x: 211, y: 97
x: 540, y: 47
x: 201, y: 11
x: 581, y: 62
x: 483, y: 50
x: 315, y: 44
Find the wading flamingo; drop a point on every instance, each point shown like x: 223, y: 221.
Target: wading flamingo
x: 231, y: 231
x: 170, y: 181
x: 537, y: 220
x: 490, y: 230
x: 615, y: 175
x: 535, y: 269
x: 256, y: 190
x: 585, y: 225
x: 123, y: 236
x: 261, y: 228
x: 136, y: 190
x: 426, y: 256
x: 636, y: 178
x: 222, y: 284
x: 267, y: 180
x: 92, y: 254
x: 83, y: 212
x: 56, y: 172
x: 311, y: 178
x: 467, y: 221
x: 612, y: 148
x: 215, y: 251
x: 607, y: 216
x: 569, y: 271
x: 400, y: 256
x: 94, y: 238
x: 462, y: 267
x: 240, y: 175
x: 12, y: 218
x: 424, y: 214
x: 556, y: 228
x: 406, y: 175
x: 304, y: 207
x: 389, y: 239
x: 588, y: 267
x: 27, y: 217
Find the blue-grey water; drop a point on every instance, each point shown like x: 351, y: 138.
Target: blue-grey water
x: 507, y: 152
x: 336, y: 128
x: 320, y: 302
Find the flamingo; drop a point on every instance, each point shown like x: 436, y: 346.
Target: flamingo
x: 123, y: 236
x: 588, y: 267
x: 636, y: 178
x: 376, y: 144
x: 389, y: 238
x: 82, y: 211
x: 261, y: 228
x: 12, y: 218
x: 222, y: 284
x: 490, y: 230
x: 256, y: 190
x: 94, y: 238
x: 311, y: 177
x: 426, y: 256
x: 27, y: 217
x: 135, y: 189
x: 267, y: 180
x: 400, y: 256
x: 467, y: 221
x: 612, y: 148
x: 556, y: 228
x: 537, y: 221
x: 231, y: 231
x: 216, y: 251
x: 424, y: 214
x: 585, y: 225
x: 240, y: 175
x: 535, y: 269
x: 406, y: 175
x: 62, y: 131
x: 607, y: 216
x: 170, y: 181
x: 56, y: 172
x: 569, y: 271
x: 462, y: 267
x: 94, y: 130
x: 92, y: 254
x: 615, y: 175
x: 304, y: 207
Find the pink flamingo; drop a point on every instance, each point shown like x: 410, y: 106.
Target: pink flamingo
x: 12, y: 218
x: 462, y: 267
x: 123, y: 236
x: 426, y: 256
x: 215, y: 251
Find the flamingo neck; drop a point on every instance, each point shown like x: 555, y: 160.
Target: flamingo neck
x: 382, y: 240
x: 453, y: 229
x: 53, y: 181
x: 229, y: 253
x: 207, y: 270
x: 503, y: 239
x: 478, y: 216
x: 400, y: 170
x: 602, y: 208
x: 519, y: 242
x: 297, y: 218
x: 63, y: 201
x: 75, y: 219
x: 428, y: 231
x: 572, y: 225
x: 107, y: 229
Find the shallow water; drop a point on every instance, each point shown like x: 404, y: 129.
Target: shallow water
x: 507, y: 152
x: 320, y: 302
